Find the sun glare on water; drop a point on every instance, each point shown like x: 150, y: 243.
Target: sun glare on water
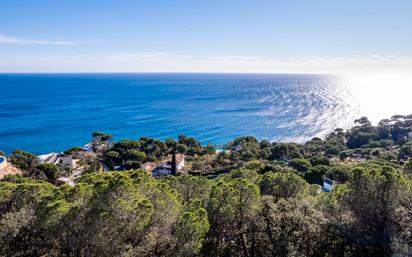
x: 380, y: 96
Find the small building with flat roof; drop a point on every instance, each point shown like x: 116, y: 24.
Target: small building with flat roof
x: 328, y: 184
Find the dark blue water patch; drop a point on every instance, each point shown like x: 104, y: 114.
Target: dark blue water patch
x: 52, y: 112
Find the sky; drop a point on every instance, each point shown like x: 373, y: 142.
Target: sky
x: 259, y: 36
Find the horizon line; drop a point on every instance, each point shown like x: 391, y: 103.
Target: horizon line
x: 165, y: 72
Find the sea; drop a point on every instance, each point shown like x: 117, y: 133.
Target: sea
x: 42, y: 113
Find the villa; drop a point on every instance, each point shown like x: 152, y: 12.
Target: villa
x: 165, y: 167
x: 63, y: 160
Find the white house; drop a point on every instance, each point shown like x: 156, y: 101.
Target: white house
x: 328, y: 184
x: 62, y: 160
x: 88, y: 148
x: 165, y: 167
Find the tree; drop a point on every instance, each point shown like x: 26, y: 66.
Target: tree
x: 376, y: 196
x: 405, y: 151
x: 181, y: 148
x: 232, y: 208
x: 280, y: 151
x: 49, y: 171
x: 90, y: 164
x: 20, y: 228
x: 189, y: 142
x: 24, y: 160
x: 408, y: 166
x: 74, y: 150
x: 319, y: 160
x: 100, y: 136
x: 290, y: 227
x: 282, y: 185
x: 190, y: 229
x: 301, y: 165
x: 316, y: 174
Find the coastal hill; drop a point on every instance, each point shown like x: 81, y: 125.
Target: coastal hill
x: 347, y: 194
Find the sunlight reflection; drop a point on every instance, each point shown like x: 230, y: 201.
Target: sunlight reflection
x: 380, y: 96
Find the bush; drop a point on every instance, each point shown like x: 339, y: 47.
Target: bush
x: 301, y: 165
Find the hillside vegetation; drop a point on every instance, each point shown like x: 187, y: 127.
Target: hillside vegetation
x: 257, y: 198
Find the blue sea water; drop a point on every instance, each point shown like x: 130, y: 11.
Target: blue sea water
x: 53, y: 112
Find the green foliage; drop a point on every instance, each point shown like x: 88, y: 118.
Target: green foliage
x: 24, y: 160
x: 264, y: 200
x: 376, y: 195
x: 190, y: 231
x: 73, y: 150
x: 319, y: 160
x: 100, y: 136
x: 405, y: 151
x: 301, y: 165
x: 316, y: 174
x: 408, y: 166
x: 48, y: 171
x: 190, y: 187
x: 90, y: 164
x: 282, y: 185
x: 244, y: 173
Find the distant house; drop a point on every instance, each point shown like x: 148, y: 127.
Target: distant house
x: 88, y: 148
x: 221, y: 150
x: 149, y: 166
x: 328, y: 184
x: 410, y: 136
x: 165, y: 167
x: 96, y: 147
x: 63, y: 160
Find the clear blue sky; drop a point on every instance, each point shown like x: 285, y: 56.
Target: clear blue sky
x: 267, y: 36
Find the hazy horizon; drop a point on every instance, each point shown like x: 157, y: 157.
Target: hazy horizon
x: 317, y: 37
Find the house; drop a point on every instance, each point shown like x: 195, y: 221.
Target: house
x: 96, y: 146
x: 409, y: 136
x: 88, y: 148
x: 328, y: 184
x: 149, y: 166
x: 63, y: 160
x: 165, y: 167
x: 180, y: 162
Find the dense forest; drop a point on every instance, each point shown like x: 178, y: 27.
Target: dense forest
x: 256, y: 198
